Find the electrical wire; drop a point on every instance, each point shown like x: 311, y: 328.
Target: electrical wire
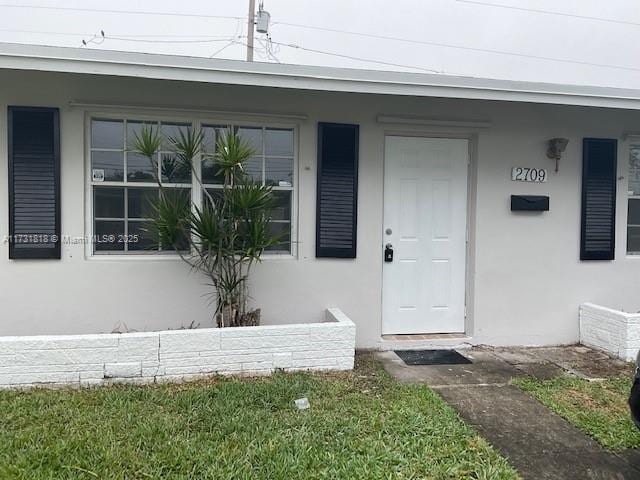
x: 126, y: 12
x: 461, y: 47
x: 550, y: 12
x: 224, y: 47
x: 358, y: 59
x: 140, y: 40
x: 124, y: 35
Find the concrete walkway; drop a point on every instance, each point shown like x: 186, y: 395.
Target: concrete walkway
x: 536, y: 441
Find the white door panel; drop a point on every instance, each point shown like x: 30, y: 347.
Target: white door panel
x: 425, y: 209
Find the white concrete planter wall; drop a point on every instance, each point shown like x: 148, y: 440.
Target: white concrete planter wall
x: 613, y: 331
x: 177, y: 355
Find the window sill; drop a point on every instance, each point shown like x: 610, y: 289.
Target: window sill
x: 172, y: 257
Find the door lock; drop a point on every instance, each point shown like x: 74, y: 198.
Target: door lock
x: 388, y: 253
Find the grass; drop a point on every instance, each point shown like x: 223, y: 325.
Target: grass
x: 360, y: 425
x: 599, y: 409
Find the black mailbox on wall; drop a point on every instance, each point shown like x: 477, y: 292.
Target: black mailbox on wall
x: 529, y: 203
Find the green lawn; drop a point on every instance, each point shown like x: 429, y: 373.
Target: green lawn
x: 361, y: 425
x: 597, y: 408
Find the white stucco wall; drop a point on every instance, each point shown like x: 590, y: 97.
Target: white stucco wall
x: 525, y: 277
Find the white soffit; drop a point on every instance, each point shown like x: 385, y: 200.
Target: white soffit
x: 233, y: 72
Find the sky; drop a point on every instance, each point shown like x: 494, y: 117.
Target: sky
x: 587, y: 42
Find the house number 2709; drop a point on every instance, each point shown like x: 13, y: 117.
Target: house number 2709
x: 526, y: 174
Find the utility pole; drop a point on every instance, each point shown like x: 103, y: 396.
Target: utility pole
x: 250, y: 29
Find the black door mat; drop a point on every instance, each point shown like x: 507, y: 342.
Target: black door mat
x: 432, y: 357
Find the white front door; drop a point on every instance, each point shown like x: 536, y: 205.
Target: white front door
x: 425, y: 224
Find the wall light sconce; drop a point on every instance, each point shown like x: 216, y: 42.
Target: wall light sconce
x: 555, y: 149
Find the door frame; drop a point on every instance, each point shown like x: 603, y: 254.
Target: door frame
x: 472, y: 190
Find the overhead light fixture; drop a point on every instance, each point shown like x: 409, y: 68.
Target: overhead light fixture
x: 555, y: 149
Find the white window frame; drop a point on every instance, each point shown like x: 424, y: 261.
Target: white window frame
x: 196, y: 121
x: 628, y: 197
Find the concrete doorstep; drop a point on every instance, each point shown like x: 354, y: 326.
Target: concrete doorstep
x: 536, y: 441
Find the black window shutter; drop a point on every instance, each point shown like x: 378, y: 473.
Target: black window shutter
x: 599, y: 176
x: 34, y: 182
x: 337, y: 200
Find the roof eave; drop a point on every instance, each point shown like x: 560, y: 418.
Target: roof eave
x: 313, y: 78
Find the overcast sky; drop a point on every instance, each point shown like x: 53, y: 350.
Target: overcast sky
x: 572, y: 41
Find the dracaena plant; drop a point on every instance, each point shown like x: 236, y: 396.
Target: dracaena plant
x: 224, y: 237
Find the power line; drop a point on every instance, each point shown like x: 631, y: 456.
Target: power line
x: 224, y: 47
x: 550, y: 12
x: 124, y: 35
x: 461, y: 47
x: 140, y: 40
x: 126, y: 12
x: 350, y: 57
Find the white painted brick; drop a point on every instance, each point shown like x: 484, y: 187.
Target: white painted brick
x: 311, y: 362
x: 324, y: 332
x: 138, y: 346
x: 92, y: 375
x: 23, y: 369
x: 254, y: 366
x: 282, y: 360
x: 124, y: 370
x: 182, y: 355
x: 33, y: 378
x: 176, y: 341
x: 232, y: 357
x: 153, y: 371
x: 184, y: 370
x: 264, y: 331
x: 617, y: 333
x: 59, y: 357
x: 345, y: 363
x: 321, y: 354
x: 57, y: 342
x: 182, y: 361
x: 263, y: 342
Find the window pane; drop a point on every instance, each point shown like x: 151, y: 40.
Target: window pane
x: 279, y: 142
x: 253, y: 136
x: 172, y: 131
x: 282, y: 209
x: 107, y: 134
x: 210, y: 172
x: 634, y: 171
x: 283, y: 232
x: 210, y: 137
x: 174, y: 169
x: 112, y: 163
x: 216, y: 194
x: 108, y: 236
x: 141, y: 202
x: 139, y: 168
x: 140, y: 237
x: 633, y: 239
x: 253, y: 168
x: 279, y: 172
x: 634, y: 212
x: 108, y: 202
x: 134, y: 128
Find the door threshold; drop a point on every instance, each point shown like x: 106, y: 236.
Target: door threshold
x: 425, y: 341
x: 423, y: 336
